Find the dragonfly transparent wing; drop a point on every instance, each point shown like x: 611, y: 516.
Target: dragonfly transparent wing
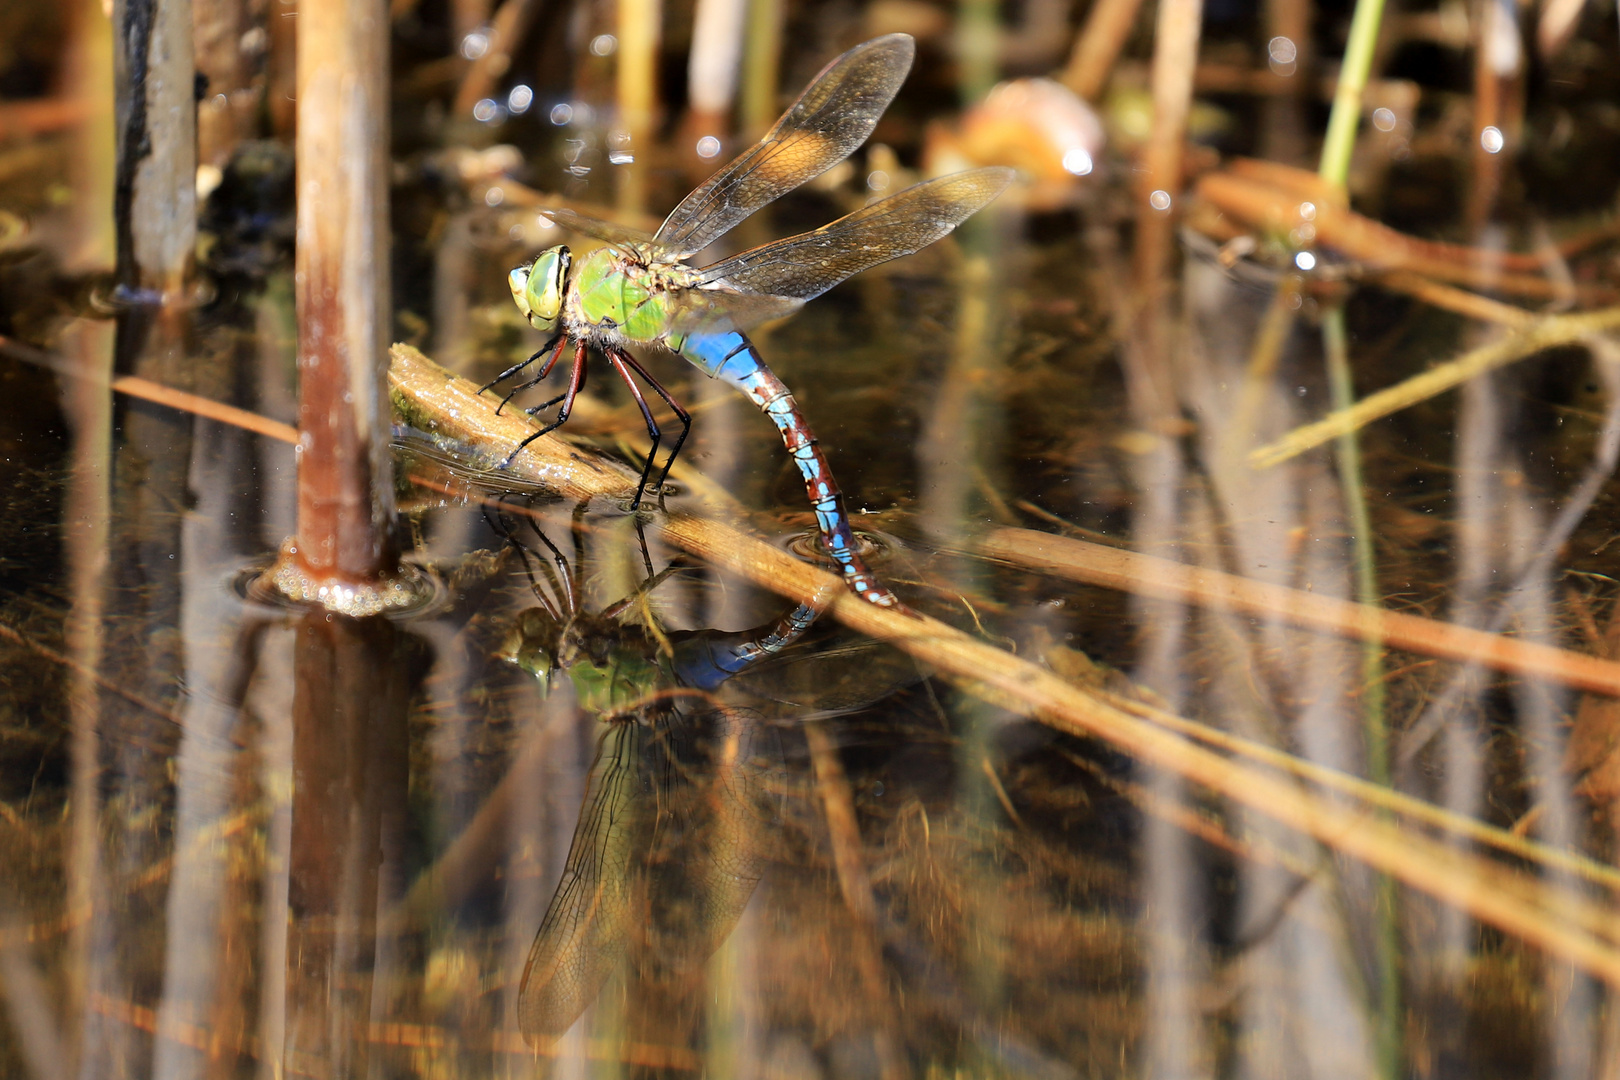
x: 718, y: 310
x: 609, y: 233
x: 833, y: 116
x: 584, y: 934
x: 805, y: 266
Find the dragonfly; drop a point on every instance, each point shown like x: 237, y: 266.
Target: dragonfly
x: 677, y: 817
x: 639, y: 288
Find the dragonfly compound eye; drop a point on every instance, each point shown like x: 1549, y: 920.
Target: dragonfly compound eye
x: 539, y: 295
x: 518, y: 281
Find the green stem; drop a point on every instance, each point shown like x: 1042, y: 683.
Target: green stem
x: 978, y: 43
x: 1346, y: 115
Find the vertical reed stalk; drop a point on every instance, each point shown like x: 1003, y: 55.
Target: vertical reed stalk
x: 718, y: 33
x: 761, y: 64
x: 1175, y: 55
x: 1497, y: 58
x: 1283, y: 124
x: 978, y: 45
x: 154, y: 222
x: 1345, y: 118
x: 345, y: 493
x: 639, y: 32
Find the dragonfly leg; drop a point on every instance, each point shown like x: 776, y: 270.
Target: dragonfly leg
x: 575, y: 381
x: 535, y: 410
x: 684, y: 416
x: 563, y: 579
x: 545, y: 370
x: 515, y: 368
x: 617, y: 359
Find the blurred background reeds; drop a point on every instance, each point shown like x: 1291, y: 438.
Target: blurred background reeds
x: 1247, y: 467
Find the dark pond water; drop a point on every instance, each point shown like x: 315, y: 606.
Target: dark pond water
x: 555, y: 824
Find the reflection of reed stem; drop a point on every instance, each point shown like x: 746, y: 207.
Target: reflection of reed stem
x: 1545, y: 333
x: 87, y: 74
x: 856, y: 886
x: 1335, y: 169
x: 1386, y: 910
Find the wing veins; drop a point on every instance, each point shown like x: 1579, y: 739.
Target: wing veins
x: 839, y: 108
x: 803, y: 267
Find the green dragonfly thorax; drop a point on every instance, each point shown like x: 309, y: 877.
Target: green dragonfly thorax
x: 624, y: 297
x: 538, y: 287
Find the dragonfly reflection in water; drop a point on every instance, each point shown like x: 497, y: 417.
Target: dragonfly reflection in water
x: 679, y: 802
x: 639, y: 290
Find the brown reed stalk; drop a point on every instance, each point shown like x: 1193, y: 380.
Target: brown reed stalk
x: 345, y: 494
x: 640, y: 32
x: 1145, y: 575
x: 1097, y: 46
x: 1175, y: 57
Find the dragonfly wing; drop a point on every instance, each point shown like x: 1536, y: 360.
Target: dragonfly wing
x: 622, y: 236
x: 583, y: 935
x: 833, y: 116
x: 717, y: 309
x: 720, y: 827
x: 807, y: 265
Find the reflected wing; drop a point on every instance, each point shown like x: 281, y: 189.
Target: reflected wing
x: 833, y: 116
x: 583, y: 935
x: 721, y: 827
x: 607, y: 232
x: 821, y: 679
x: 807, y: 265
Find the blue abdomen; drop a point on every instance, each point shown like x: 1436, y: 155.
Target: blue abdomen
x: 729, y: 356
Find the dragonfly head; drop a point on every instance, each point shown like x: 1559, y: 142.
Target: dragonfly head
x: 538, y: 287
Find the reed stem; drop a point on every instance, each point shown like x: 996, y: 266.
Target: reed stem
x: 345, y: 490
